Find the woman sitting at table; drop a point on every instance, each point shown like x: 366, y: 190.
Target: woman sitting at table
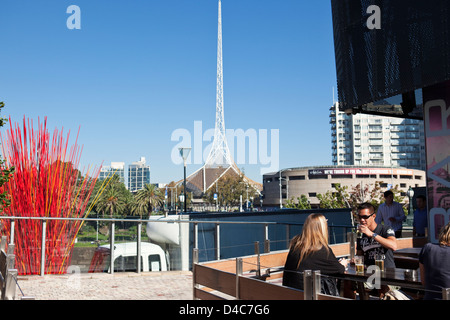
x: 310, y: 251
x: 434, y: 262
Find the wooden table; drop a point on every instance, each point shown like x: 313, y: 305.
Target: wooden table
x: 405, y: 278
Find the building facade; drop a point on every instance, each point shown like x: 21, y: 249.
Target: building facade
x: 117, y: 168
x: 369, y: 140
x: 138, y: 175
x: 311, y: 181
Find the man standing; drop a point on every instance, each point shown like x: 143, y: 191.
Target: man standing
x: 377, y: 239
x: 391, y: 213
x: 420, y: 217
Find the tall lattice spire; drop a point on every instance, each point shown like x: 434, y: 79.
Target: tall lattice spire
x: 220, y: 154
x: 219, y: 162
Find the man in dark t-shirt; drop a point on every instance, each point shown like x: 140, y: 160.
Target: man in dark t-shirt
x: 376, y: 239
x: 370, y: 247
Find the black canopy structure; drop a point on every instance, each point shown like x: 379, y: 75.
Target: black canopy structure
x: 383, y: 70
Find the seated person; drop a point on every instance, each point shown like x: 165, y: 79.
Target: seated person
x: 434, y: 262
x: 377, y: 239
x: 310, y: 251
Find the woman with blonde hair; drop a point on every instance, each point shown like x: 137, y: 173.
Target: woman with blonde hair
x: 434, y: 262
x: 310, y: 251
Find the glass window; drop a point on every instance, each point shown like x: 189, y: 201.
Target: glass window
x: 154, y: 262
x: 124, y: 264
x: 297, y: 178
x: 319, y: 176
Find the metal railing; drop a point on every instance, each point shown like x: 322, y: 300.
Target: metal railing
x: 112, y: 224
x: 8, y: 274
x: 250, y: 267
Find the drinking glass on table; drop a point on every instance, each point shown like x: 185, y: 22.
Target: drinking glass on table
x: 359, y: 264
x: 379, y: 261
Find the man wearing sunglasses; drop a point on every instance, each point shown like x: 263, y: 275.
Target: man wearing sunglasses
x: 377, y: 239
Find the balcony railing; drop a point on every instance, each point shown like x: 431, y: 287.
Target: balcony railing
x: 336, y: 233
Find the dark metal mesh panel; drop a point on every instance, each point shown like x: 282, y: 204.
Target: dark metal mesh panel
x: 409, y: 52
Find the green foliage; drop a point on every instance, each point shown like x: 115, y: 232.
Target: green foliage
x: 5, y: 174
x: 174, y: 191
x: 302, y: 203
x: 2, y: 120
x: 342, y: 198
x: 229, y: 189
x: 113, y: 199
x: 146, y: 200
x: 334, y: 200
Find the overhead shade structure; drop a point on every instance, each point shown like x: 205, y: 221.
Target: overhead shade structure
x: 393, y: 59
x: 386, y: 54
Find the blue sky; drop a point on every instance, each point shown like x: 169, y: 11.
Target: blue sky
x: 140, y: 69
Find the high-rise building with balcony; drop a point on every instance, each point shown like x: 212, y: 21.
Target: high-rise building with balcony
x: 138, y: 175
x: 370, y: 140
x: 117, y: 168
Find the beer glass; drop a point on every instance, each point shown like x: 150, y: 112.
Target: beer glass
x: 359, y: 264
x: 379, y: 261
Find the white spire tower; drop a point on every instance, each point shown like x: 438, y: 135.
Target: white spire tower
x: 219, y: 162
x: 220, y: 154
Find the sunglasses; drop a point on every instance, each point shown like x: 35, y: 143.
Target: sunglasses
x: 366, y: 217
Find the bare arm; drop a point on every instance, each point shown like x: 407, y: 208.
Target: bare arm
x: 389, y: 242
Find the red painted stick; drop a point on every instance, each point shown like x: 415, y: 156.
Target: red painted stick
x: 46, y: 183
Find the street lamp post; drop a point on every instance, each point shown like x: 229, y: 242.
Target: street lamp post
x: 280, y: 179
x: 184, y: 153
x: 281, y: 197
x: 410, y: 194
x: 182, y: 198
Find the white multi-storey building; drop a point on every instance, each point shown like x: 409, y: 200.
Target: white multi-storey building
x: 138, y: 175
x: 364, y: 139
x: 117, y: 168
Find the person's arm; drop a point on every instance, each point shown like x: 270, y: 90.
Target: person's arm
x: 327, y: 261
x: 389, y: 242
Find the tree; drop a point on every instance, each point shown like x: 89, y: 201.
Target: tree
x: 302, y: 203
x: 334, y: 200
x: 113, y: 199
x: 173, y: 193
x: 5, y: 174
x: 341, y: 198
x: 374, y: 195
x: 111, y: 203
x: 230, y: 188
x: 146, y: 200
